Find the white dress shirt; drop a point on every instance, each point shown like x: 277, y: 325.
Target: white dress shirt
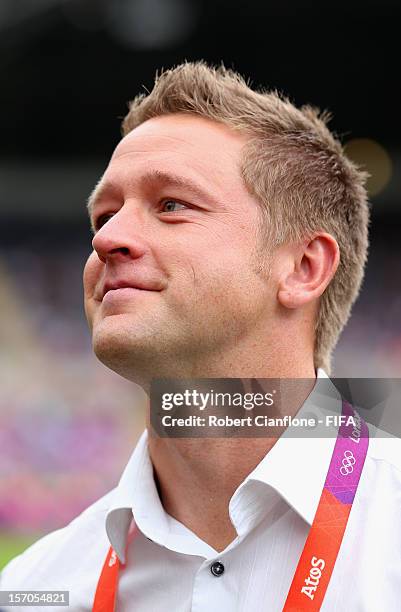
x: 169, y: 567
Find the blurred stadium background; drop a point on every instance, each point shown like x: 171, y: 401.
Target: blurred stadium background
x: 67, y: 69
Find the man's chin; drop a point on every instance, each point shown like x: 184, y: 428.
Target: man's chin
x: 134, y: 356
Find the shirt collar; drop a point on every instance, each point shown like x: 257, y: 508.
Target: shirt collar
x: 295, y: 468
x: 136, y: 484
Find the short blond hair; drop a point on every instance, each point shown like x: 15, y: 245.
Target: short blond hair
x: 294, y: 166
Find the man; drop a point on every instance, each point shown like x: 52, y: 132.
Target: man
x: 230, y: 237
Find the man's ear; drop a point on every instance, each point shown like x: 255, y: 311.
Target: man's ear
x: 313, y: 265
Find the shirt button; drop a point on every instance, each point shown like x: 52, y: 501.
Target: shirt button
x: 217, y: 568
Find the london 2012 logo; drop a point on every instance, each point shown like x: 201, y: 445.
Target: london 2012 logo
x: 348, y: 463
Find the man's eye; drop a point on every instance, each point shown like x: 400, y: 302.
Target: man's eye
x: 100, y: 221
x: 168, y: 205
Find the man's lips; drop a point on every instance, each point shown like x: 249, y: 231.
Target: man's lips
x: 124, y: 284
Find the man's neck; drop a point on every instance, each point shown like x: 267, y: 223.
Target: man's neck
x: 196, y: 478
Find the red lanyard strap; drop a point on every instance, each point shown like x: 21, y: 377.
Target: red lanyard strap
x: 321, y: 548
x: 105, y: 596
x: 320, y: 552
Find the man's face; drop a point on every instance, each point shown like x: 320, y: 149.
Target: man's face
x: 173, y: 218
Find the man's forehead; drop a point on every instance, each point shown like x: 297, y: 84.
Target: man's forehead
x: 191, y: 146
x: 181, y: 132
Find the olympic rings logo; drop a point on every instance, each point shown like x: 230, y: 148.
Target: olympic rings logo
x: 347, y: 463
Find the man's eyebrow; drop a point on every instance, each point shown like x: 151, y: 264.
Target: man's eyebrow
x: 162, y: 177
x: 170, y: 179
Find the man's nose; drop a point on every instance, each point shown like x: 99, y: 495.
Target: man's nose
x: 120, y: 238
